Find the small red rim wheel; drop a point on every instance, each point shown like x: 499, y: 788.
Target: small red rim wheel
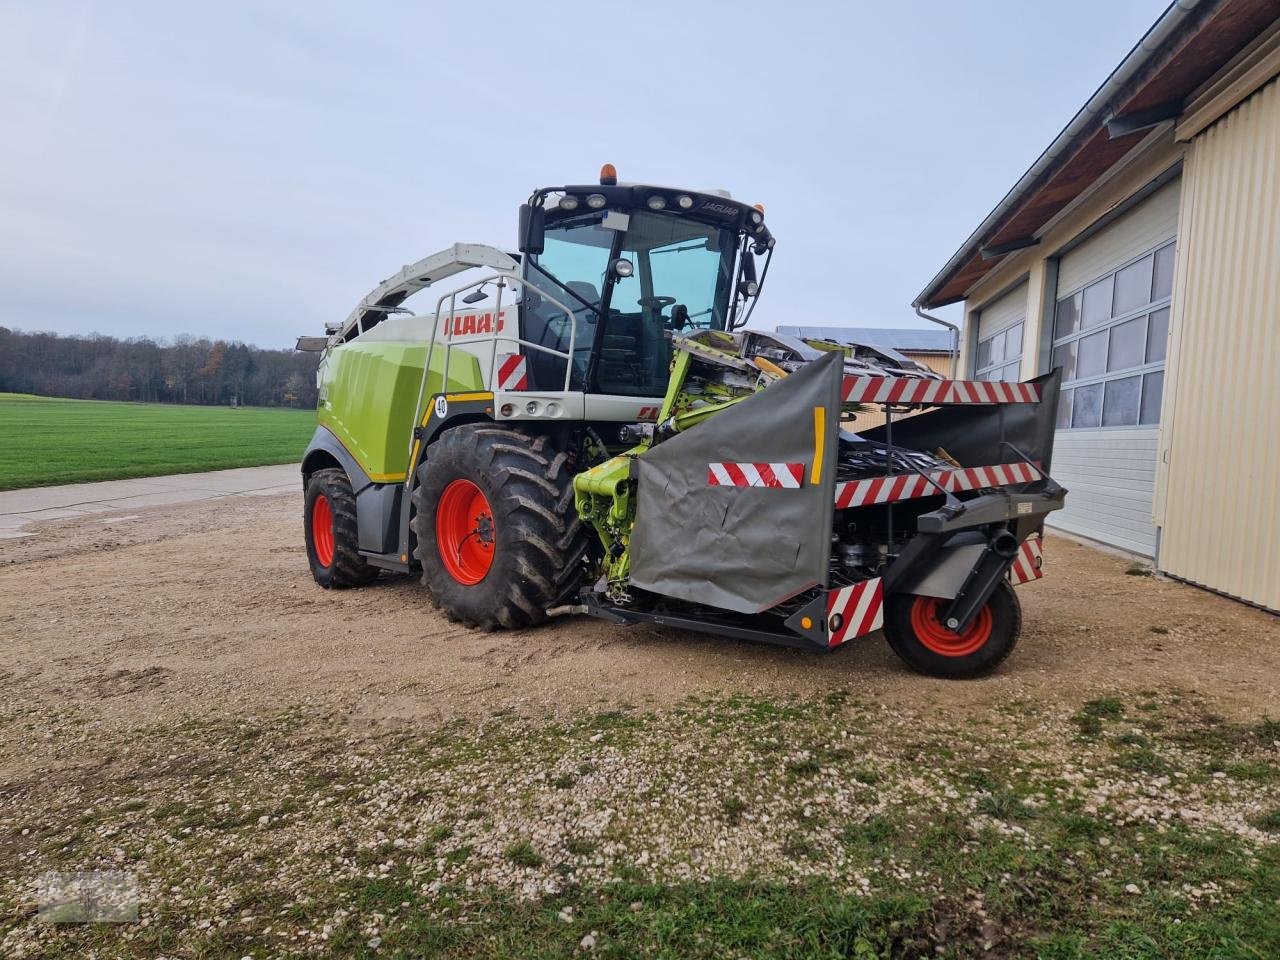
x: 926, y: 623
x: 322, y: 530
x: 465, y: 532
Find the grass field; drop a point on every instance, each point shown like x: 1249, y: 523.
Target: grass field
x: 46, y: 440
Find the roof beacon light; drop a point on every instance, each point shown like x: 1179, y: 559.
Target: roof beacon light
x: 657, y: 202
x: 608, y: 175
x: 684, y: 201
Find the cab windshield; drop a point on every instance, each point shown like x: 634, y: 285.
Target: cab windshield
x: 682, y: 275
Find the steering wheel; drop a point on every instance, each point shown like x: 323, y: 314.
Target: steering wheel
x: 656, y: 303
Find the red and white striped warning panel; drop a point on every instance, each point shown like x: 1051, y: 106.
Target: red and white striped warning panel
x: 913, y: 390
x: 908, y: 486
x: 1029, y: 564
x: 854, y: 610
x: 511, y: 372
x: 786, y: 475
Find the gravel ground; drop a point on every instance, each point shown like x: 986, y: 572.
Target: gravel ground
x: 211, y: 607
x: 290, y: 771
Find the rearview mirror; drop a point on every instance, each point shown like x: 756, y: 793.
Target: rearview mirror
x: 533, y: 225
x: 312, y: 344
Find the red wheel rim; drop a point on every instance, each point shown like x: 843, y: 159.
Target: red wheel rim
x: 465, y: 532
x: 926, y: 623
x: 322, y: 530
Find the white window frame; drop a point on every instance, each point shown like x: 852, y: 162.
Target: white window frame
x: 1143, y: 370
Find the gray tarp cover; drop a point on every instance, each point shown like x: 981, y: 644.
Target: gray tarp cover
x: 741, y: 548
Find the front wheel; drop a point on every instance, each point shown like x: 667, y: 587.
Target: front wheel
x: 498, y: 538
x: 914, y: 628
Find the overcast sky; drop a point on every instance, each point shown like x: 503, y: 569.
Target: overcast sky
x: 249, y: 170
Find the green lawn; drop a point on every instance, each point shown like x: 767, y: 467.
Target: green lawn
x: 46, y: 440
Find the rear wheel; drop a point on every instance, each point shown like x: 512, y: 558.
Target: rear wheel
x: 914, y: 628
x: 329, y: 521
x: 497, y: 535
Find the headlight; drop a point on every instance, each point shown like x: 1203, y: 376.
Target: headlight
x: 568, y: 203
x: 596, y: 201
x: 553, y: 409
x: 657, y: 203
x: 531, y: 408
x: 684, y: 201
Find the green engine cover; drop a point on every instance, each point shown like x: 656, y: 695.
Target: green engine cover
x: 367, y: 393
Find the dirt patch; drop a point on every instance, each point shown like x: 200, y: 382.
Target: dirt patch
x: 210, y: 609
x: 120, y: 683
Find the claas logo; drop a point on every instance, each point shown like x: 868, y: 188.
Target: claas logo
x: 474, y: 323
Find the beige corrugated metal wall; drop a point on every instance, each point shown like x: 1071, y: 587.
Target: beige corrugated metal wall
x: 1218, y: 503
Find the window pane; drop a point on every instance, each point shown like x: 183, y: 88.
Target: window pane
x: 997, y: 347
x: 1096, y: 307
x: 1120, y: 405
x: 1013, y: 342
x: 1086, y: 410
x: 1133, y: 286
x: 1152, y: 388
x: 1157, y: 335
x: 1068, y: 316
x: 1128, y: 344
x: 1010, y: 372
x: 1064, y: 409
x: 984, y: 353
x: 1162, y: 285
x: 1064, y: 356
x: 1092, y: 358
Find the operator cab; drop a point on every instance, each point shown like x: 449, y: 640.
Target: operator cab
x: 634, y: 264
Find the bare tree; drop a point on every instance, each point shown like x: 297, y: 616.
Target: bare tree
x: 187, y: 370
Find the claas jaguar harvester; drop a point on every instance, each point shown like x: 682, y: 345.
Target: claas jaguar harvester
x: 587, y: 426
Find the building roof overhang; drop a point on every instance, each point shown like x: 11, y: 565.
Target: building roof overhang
x: 1186, y: 47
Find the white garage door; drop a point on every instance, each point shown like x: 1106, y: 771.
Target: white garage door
x: 998, y: 349
x: 1110, y: 334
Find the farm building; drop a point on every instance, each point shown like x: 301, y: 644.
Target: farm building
x: 1141, y: 255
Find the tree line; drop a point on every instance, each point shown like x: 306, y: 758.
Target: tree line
x: 182, y: 370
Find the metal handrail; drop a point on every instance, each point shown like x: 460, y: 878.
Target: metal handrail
x: 502, y: 277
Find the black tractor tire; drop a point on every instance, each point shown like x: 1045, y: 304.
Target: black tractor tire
x: 335, y: 558
x: 537, y: 543
x: 915, y: 633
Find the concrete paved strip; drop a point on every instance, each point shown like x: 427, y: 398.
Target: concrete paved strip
x: 18, y: 508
